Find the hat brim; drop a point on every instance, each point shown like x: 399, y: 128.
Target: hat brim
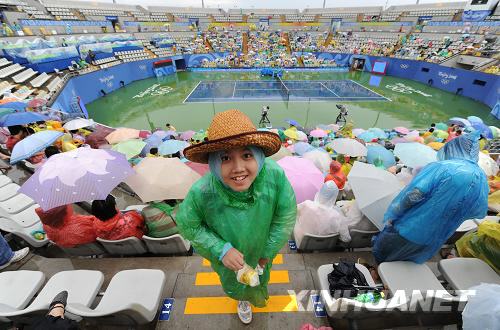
x: 269, y: 142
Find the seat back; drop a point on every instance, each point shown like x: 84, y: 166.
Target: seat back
x: 19, y: 287
x: 90, y: 249
x: 126, y: 246
x: 361, y: 238
x: 318, y: 243
x: 174, y: 244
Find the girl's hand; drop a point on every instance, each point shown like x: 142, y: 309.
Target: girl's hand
x: 233, y: 260
x: 263, y: 262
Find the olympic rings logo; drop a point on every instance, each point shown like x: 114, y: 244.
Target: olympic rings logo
x: 404, y: 66
x: 445, y: 81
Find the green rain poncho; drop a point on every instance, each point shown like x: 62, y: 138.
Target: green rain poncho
x: 257, y: 223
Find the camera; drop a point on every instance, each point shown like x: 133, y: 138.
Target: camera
x: 340, y: 107
x: 265, y: 110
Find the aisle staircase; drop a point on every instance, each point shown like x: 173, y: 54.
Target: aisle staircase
x: 287, y: 43
x: 328, y: 39
x: 208, y: 44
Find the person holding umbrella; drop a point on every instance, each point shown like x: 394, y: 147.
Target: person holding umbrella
x: 435, y: 203
x: 243, y: 211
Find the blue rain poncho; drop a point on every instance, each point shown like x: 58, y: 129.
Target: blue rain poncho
x: 257, y: 222
x: 440, y: 197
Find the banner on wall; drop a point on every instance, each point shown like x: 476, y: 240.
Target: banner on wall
x: 475, y: 15
x: 33, y: 22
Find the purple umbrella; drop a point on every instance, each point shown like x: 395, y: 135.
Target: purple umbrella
x: 187, y: 135
x: 82, y: 174
x: 303, y: 175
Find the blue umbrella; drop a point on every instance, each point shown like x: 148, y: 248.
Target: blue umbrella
x: 32, y: 144
x: 474, y: 119
x: 378, y: 152
x: 293, y: 122
x: 459, y: 121
x: 367, y: 136
x: 301, y: 148
x: 18, y: 106
x: 170, y: 147
x: 415, y: 154
x: 153, y: 141
x: 379, y: 133
x: 483, y: 129
x: 21, y: 118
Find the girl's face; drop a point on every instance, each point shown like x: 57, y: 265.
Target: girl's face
x: 239, y: 168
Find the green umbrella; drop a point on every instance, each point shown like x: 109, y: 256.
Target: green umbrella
x: 200, y: 135
x: 6, y: 111
x: 442, y: 126
x: 130, y: 148
x: 440, y: 134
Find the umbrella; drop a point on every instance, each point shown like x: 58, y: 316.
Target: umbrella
x: 399, y: 140
x: 291, y: 133
x: 170, y: 147
x: 357, y: 131
x: 440, y: 134
x: 374, y: 190
x: 187, y: 135
x: 318, y: 133
x: 6, y: 111
x: 474, y: 119
x: 483, y: 129
x: 348, y: 147
x: 333, y: 127
x: 293, y: 122
x: 459, y: 121
x: 415, y: 154
x: 129, y: 148
x: 153, y: 141
x: 495, y: 131
x: 367, y: 136
x: 402, y: 130
x: 282, y: 153
x: 489, y: 166
x: 122, y: 134
x: 200, y: 135
x: 98, y: 136
x: 442, y: 126
x: 19, y: 106
x: 435, y: 145
x: 379, y: 133
x: 320, y: 158
x: 301, y: 148
x: 158, y: 178
x: 83, y: 174
x: 32, y: 144
x: 21, y: 118
x: 37, y: 103
x: 199, y: 168
x: 78, y: 123
x: 378, y: 152
x: 301, y: 136
x: 304, y: 177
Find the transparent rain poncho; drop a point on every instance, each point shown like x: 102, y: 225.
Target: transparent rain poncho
x: 257, y: 223
x: 440, y: 197
x: 321, y: 216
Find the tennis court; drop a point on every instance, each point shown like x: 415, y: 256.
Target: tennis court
x: 281, y: 90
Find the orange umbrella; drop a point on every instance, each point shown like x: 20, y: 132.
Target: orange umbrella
x: 8, y: 100
x: 122, y: 134
x: 435, y: 145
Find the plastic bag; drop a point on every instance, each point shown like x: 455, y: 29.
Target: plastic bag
x: 248, y: 276
x: 483, y: 309
x: 483, y: 244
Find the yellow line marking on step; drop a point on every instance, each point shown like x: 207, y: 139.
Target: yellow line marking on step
x: 211, y: 278
x: 278, y: 260
x: 226, y: 305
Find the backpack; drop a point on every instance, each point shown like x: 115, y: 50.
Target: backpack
x: 347, y: 280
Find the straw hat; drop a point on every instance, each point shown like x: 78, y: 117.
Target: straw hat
x: 232, y: 129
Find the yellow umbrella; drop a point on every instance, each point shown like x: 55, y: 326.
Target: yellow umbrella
x: 122, y: 134
x: 159, y: 178
x: 291, y: 133
x: 435, y: 145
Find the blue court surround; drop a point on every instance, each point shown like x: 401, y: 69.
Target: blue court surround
x: 272, y: 90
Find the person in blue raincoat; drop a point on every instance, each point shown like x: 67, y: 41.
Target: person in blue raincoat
x: 435, y: 203
x: 241, y: 212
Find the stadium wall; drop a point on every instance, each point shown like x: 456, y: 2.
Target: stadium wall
x: 479, y: 86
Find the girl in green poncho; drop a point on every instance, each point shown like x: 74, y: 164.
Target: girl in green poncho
x: 243, y: 211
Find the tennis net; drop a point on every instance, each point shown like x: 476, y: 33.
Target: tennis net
x: 285, y: 92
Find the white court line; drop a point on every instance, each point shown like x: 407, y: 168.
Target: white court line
x: 301, y: 100
x: 329, y: 89
x: 195, y: 87
x: 370, y: 90
x: 234, y: 88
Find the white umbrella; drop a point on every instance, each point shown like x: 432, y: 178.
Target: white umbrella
x: 160, y: 178
x: 489, y: 166
x: 78, y: 123
x: 415, y: 154
x: 321, y: 159
x: 348, y: 147
x: 374, y: 190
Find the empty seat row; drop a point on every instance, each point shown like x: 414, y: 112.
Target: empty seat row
x: 23, y: 76
x: 10, y: 70
x: 40, y: 80
x: 132, y: 295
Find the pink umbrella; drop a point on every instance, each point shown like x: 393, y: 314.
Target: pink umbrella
x: 304, y: 177
x: 399, y: 140
x: 37, y: 103
x: 144, y: 134
x: 318, y: 133
x: 187, y: 135
x: 199, y: 168
x: 122, y: 134
x: 402, y: 130
x: 357, y: 131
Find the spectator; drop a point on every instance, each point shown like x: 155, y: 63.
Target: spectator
x: 66, y: 228
x: 17, y: 133
x: 7, y: 256
x: 111, y: 224
x: 159, y: 218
